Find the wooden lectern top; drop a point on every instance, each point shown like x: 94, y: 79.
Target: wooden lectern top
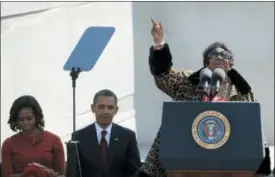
x: 211, y: 174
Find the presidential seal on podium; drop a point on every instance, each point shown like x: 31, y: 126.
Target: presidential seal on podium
x: 211, y: 129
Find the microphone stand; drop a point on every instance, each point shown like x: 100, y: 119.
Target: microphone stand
x: 212, y: 97
x: 212, y: 93
x: 214, y: 89
x: 73, y: 161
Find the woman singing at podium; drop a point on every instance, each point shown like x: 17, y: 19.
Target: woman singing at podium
x: 185, y: 85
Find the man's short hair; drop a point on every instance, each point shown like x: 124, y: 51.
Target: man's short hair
x: 105, y: 92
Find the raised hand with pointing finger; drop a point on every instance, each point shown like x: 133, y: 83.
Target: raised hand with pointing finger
x: 157, y: 31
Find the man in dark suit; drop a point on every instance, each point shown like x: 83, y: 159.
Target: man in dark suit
x: 105, y: 148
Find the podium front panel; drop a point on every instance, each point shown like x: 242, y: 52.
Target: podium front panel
x: 243, y: 150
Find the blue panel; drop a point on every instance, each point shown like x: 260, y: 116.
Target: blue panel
x: 89, y: 48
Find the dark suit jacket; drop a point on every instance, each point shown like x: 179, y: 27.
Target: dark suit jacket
x: 123, y: 158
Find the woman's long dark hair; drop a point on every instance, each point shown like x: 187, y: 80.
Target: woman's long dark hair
x: 25, y: 101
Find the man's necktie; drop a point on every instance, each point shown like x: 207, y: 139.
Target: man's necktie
x: 103, y: 146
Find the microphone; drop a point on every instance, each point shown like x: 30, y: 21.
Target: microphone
x: 218, y: 77
x: 205, y: 78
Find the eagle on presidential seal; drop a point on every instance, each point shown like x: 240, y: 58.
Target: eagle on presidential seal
x: 211, y: 129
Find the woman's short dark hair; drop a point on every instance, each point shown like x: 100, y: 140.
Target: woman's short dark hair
x: 213, y: 46
x: 25, y: 101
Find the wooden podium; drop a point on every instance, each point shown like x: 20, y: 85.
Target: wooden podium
x: 210, y: 139
x: 211, y: 174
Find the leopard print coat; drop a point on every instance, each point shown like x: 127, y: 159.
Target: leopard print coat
x: 183, y: 85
